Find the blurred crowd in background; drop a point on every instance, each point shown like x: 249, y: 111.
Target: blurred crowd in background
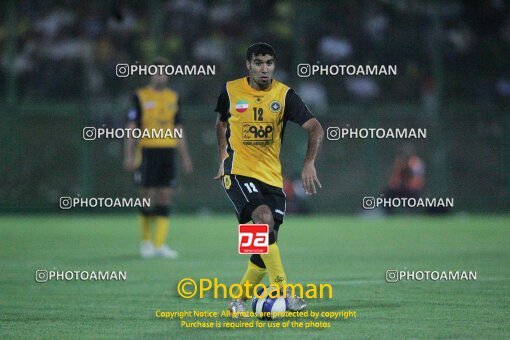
x: 65, y: 49
x: 58, y: 74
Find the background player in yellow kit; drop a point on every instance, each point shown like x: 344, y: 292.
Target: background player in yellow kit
x: 252, y: 114
x: 156, y: 107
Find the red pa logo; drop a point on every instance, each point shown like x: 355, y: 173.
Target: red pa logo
x: 253, y: 238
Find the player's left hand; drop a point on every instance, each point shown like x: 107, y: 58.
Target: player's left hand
x: 221, y: 170
x: 130, y: 164
x: 187, y: 166
x: 309, y: 178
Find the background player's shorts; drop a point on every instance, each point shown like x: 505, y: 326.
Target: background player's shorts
x: 157, y: 168
x: 248, y: 193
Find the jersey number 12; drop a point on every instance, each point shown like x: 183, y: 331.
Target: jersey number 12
x: 258, y: 114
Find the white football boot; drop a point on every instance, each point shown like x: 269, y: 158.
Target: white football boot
x: 294, y: 303
x: 167, y: 252
x: 147, y: 250
x: 237, y: 308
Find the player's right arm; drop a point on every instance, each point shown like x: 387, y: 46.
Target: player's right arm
x: 221, y: 131
x: 130, y: 144
x: 222, y: 108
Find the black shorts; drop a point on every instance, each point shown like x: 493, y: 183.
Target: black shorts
x: 157, y: 168
x: 248, y: 193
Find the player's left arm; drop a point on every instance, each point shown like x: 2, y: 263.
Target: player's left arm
x: 298, y: 112
x: 309, y: 174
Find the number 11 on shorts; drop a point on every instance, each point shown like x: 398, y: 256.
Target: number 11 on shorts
x: 253, y: 238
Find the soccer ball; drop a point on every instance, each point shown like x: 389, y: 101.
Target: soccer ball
x: 266, y: 307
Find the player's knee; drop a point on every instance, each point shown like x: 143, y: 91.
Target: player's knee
x: 263, y: 215
x: 163, y: 196
x: 162, y: 200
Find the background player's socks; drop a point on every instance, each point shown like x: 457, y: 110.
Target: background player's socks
x: 146, y: 248
x: 274, y: 265
x: 145, y: 227
x: 162, y: 226
x: 254, y: 274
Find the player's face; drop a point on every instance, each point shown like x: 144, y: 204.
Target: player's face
x: 159, y: 80
x: 261, y: 68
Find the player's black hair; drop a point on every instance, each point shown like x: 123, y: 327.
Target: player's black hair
x: 259, y: 48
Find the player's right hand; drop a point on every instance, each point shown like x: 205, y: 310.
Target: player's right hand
x: 187, y: 166
x: 309, y: 178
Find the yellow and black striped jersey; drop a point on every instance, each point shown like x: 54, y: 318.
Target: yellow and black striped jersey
x: 255, y: 126
x: 156, y: 109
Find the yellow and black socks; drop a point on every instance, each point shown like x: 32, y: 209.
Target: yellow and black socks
x: 254, y: 274
x: 146, y: 219
x: 162, y: 225
x: 274, y: 265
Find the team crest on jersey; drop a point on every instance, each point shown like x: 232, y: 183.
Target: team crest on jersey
x: 227, y: 182
x: 241, y: 106
x: 149, y: 105
x: 275, y: 106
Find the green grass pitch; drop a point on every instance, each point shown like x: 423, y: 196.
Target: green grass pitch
x: 351, y: 253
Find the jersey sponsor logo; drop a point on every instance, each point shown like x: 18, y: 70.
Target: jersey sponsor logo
x: 275, y: 106
x: 227, y: 181
x: 241, y: 106
x: 253, y: 238
x: 258, y: 133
